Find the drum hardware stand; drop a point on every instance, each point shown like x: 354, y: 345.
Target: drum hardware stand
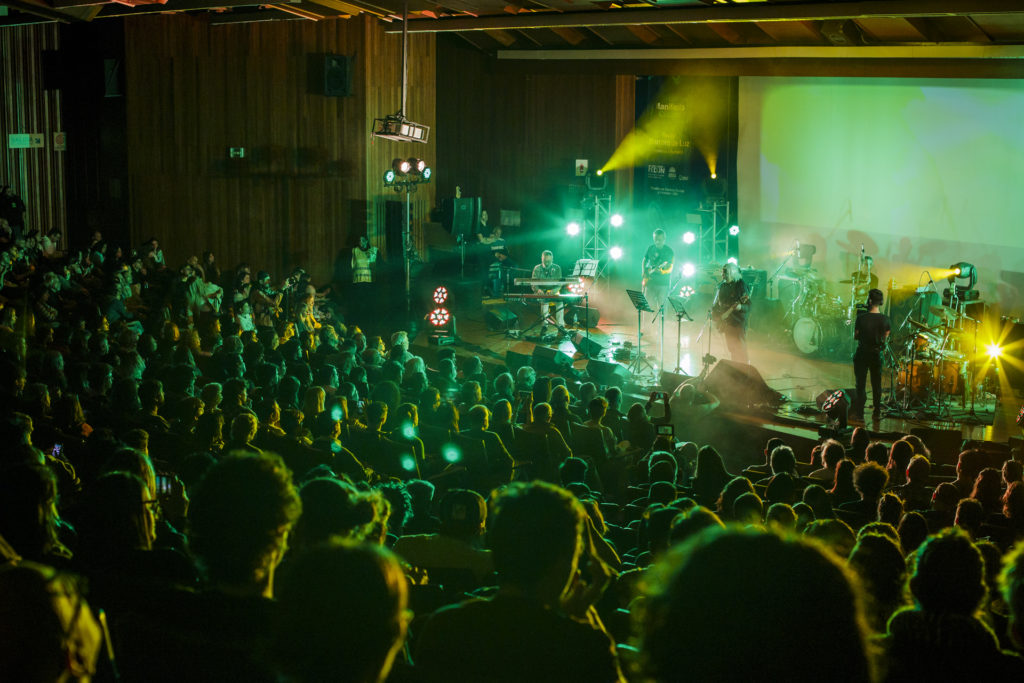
x: 681, y: 314
x: 641, y: 304
x: 897, y: 408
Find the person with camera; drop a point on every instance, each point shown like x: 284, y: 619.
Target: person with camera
x: 265, y: 301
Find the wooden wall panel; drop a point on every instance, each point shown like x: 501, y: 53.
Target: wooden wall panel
x: 37, y: 175
x: 513, y: 138
x: 299, y: 197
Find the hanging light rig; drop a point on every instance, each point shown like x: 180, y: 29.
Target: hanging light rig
x: 395, y: 126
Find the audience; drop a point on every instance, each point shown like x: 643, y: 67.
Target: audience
x: 259, y: 489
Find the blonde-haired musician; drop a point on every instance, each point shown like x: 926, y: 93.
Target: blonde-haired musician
x: 730, y: 309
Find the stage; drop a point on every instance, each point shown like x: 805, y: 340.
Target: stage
x: 797, y: 377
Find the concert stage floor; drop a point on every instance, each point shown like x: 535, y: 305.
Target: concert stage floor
x: 797, y: 377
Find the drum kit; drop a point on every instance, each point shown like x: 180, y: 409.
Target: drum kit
x: 821, y: 324
x: 931, y: 364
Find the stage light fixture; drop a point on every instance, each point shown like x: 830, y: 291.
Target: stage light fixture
x: 836, y: 407
x: 408, y: 463
x: 963, y: 271
x: 994, y: 350
x: 440, y: 295
x: 714, y: 176
x: 577, y: 287
x: 439, y: 317
x: 389, y: 177
x: 408, y: 430
x: 427, y: 173
x: 417, y: 165
x: 615, y: 253
x: 686, y: 291
x: 399, y: 129
x: 573, y: 229
x: 689, y: 270
x: 734, y: 230
x: 733, y: 260
x: 689, y: 237
x: 401, y: 167
x: 616, y: 220
x: 600, y: 172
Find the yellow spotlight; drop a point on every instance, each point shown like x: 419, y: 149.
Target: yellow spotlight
x: 994, y: 350
x: 600, y: 171
x: 714, y: 175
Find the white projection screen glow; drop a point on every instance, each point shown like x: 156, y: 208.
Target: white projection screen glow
x: 924, y: 173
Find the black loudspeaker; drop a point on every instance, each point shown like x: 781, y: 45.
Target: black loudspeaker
x: 583, y: 315
x: 465, y: 216
x: 670, y: 381
x: 738, y: 385
x: 588, y: 347
x: 551, y: 360
x: 608, y: 374
x: 331, y: 75
x: 501, y: 319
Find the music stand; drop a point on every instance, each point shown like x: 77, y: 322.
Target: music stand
x: 585, y: 267
x: 641, y: 305
x: 679, y: 306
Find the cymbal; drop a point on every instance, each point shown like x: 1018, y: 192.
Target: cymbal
x: 921, y: 326
x: 846, y: 282
x: 943, y: 312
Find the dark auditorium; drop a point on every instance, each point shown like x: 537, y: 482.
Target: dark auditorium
x: 559, y: 341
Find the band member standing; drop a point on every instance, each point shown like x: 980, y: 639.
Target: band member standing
x: 871, y: 331
x: 547, y: 269
x: 657, y: 271
x: 363, y: 259
x: 729, y: 311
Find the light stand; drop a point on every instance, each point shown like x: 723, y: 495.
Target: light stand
x: 404, y: 176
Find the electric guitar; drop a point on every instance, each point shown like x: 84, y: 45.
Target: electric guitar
x: 721, y: 318
x: 664, y: 268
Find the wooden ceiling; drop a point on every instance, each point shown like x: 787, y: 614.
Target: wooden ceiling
x: 576, y: 25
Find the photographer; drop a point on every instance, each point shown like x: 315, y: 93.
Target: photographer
x: 265, y: 300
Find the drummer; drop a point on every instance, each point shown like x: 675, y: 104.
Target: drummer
x: 871, y: 332
x: 864, y: 277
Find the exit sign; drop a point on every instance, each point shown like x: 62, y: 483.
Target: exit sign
x: 24, y: 140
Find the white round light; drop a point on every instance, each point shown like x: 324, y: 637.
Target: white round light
x: 615, y: 253
x: 689, y: 270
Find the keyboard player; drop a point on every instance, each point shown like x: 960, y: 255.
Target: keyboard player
x: 547, y: 269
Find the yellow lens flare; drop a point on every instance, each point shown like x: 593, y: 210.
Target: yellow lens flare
x: 995, y: 352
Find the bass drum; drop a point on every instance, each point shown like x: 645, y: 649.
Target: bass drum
x: 828, y: 337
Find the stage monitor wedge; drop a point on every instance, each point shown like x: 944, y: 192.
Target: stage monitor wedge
x: 738, y: 385
x: 551, y: 360
x: 608, y: 374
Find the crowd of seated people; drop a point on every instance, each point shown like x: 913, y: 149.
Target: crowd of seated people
x: 207, y: 477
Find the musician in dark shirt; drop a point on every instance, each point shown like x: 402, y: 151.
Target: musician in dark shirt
x: 657, y: 271
x: 547, y: 269
x: 729, y: 311
x: 871, y: 332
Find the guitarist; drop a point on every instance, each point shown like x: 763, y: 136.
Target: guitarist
x: 729, y: 311
x: 657, y: 271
